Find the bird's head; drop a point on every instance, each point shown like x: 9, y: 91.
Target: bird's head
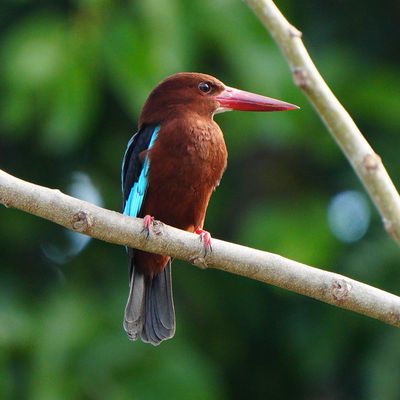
x: 203, y: 95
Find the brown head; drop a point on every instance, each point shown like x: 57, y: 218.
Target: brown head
x: 203, y: 95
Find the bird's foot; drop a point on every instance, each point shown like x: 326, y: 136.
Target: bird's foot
x: 205, y: 237
x: 147, y: 223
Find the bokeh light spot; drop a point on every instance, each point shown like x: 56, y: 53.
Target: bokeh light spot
x: 349, y: 216
x: 81, y: 187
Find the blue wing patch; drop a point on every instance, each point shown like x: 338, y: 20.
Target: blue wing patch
x: 136, y: 196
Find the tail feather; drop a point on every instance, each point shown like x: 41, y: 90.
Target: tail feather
x: 161, y: 325
x: 134, y: 316
x: 149, y: 312
x: 150, y: 328
x: 163, y: 298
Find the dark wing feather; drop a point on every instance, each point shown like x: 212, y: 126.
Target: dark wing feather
x: 149, y: 312
x: 131, y: 164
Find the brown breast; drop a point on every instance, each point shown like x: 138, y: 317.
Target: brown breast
x: 186, y: 165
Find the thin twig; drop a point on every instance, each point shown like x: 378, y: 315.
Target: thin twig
x: 266, y: 267
x: 366, y: 163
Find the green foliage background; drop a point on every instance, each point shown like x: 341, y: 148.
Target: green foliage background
x: 73, y: 77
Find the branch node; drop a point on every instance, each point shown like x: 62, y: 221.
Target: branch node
x: 158, y: 228
x: 371, y: 162
x: 294, y: 32
x: 340, y: 289
x: 301, y: 78
x: 82, y: 221
x: 199, y: 262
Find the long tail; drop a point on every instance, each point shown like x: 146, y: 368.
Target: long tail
x: 149, y: 312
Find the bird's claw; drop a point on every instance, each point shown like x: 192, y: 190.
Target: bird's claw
x: 147, y: 223
x: 205, y: 237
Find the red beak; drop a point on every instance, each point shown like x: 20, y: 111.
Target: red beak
x: 235, y: 99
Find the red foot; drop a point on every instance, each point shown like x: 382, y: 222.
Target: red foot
x: 205, y: 237
x: 147, y: 222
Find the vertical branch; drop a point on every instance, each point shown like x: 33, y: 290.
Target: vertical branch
x: 365, y: 162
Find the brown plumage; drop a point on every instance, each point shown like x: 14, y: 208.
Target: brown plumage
x: 186, y: 161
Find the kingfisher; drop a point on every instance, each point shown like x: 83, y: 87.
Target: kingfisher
x: 170, y: 169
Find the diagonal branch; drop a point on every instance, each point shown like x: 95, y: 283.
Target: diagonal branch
x: 365, y: 162
x: 266, y: 267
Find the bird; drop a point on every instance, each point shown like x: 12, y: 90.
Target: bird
x: 170, y: 169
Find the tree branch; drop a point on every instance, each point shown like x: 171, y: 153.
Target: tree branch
x: 266, y: 267
x: 366, y: 163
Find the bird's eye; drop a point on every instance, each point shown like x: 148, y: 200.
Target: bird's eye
x: 205, y: 87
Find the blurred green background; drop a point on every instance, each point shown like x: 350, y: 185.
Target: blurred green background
x: 73, y: 77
